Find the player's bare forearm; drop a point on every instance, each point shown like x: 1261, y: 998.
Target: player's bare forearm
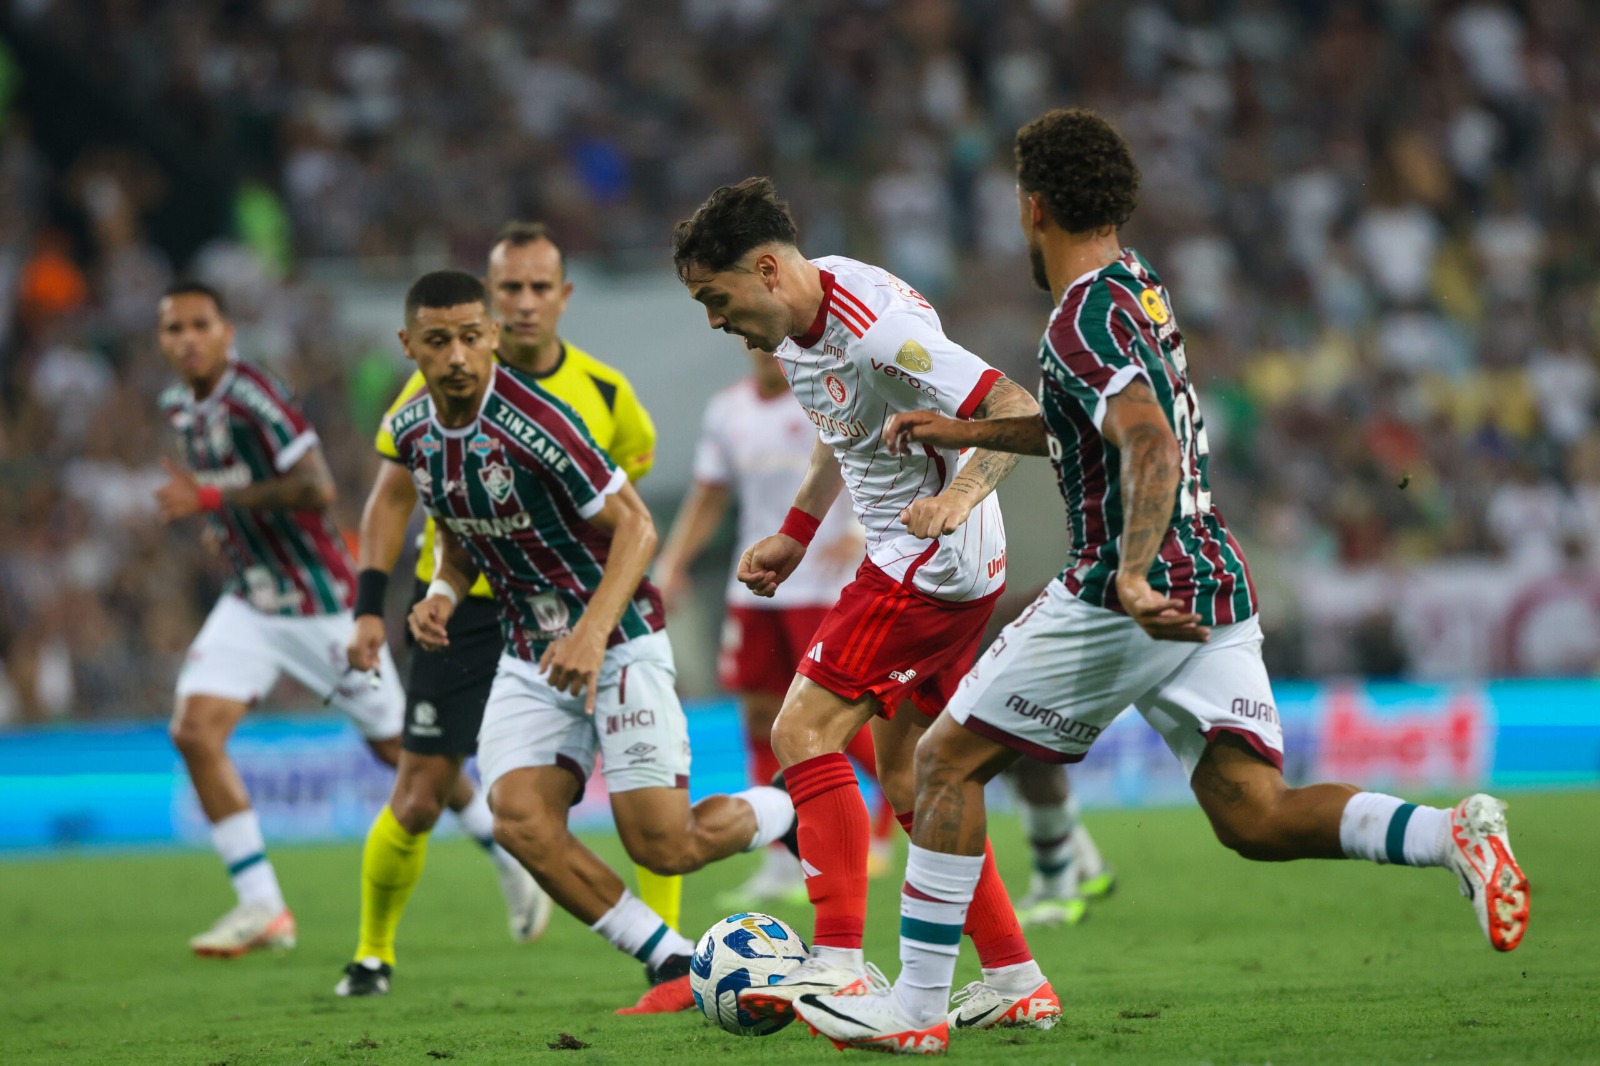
x: 1135, y: 423
x: 453, y: 563
x: 1007, y: 402
x: 821, y: 484
x: 307, y: 486
x: 698, y: 519
x: 385, y: 516
x: 633, y: 545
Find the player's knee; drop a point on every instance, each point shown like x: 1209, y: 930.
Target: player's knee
x: 195, y: 733
x: 417, y: 808
x: 936, y: 758
x: 529, y: 835
x: 663, y: 853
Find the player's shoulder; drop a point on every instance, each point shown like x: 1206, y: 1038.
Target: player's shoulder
x: 407, y: 414
x: 174, y: 398
x: 252, y: 391
x: 596, y: 368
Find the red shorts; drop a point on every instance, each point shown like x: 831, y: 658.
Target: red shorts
x: 761, y: 647
x: 892, y: 641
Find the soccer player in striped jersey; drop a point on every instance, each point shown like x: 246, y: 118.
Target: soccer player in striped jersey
x: 857, y: 345
x: 256, y: 472
x: 1154, y: 609
x: 522, y: 494
x: 446, y: 689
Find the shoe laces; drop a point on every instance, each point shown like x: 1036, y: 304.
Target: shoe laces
x: 875, y: 979
x: 972, y: 992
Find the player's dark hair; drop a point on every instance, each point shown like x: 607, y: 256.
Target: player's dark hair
x: 444, y: 288
x: 197, y: 288
x: 1080, y: 166
x: 520, y: 234
x: 733, y: 220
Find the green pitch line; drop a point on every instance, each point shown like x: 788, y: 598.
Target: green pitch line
x: 1198, y: 957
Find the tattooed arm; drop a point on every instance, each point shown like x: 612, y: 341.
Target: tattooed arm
x: 1006, y: 405
x: 1136, y: 425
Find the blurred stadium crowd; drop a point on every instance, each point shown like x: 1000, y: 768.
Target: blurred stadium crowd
x: 1380, y: 222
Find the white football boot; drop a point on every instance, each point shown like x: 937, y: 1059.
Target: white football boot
x: 1480, y: 855
x: 982, y: 1006
x: 874, y: 1021
x: 815, y: 975
x: 247, y: 927
x: 528, y: 906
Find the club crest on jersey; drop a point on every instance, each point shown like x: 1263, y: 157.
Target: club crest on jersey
x: 220, y: 437
x: 480, y: 446
x: 1153, y: 306
x: 552, y: 614
x: 429, y: 445
x: 497, y: 479
x: 836, y: 390
x: 914, y: 357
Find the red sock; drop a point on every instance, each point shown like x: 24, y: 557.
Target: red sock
x: 833, y: 846
x: 991, y: 920
x: 763, y: 763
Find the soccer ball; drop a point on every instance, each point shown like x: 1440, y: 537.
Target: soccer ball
x: 741, y: 951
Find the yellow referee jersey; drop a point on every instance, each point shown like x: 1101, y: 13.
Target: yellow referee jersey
x: 603, y: 398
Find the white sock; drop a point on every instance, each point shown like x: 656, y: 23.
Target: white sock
x: 237, y: 839
x: 1049, y: 831
x: 774, y: 813
x: 1018, y: 979
x: 632, y: 927
x: 933, y: 908
x: 1386, y: 829
x: 852, y: 959
x: 476, y: 820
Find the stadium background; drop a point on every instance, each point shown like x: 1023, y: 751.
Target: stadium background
x: 1380, y: 222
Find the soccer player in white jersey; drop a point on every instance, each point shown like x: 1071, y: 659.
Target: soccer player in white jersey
x: 858, y: 345
x: 256, y: 473
x: 755, y: 445
x: 1154, y: 609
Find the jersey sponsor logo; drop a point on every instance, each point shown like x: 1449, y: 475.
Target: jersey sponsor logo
x: 424, y: 720
x: 891, y: 371
x: 640, y: 753
x: 815, y: 654
x: 641, y: 719
x: 423, y: 480
x: 997, y: 565
x: 531, y: 438
x: 429, y: 445
x: 499, y: 526
x: 829, y: 424
x: 830, y: 348
x: 914, y: 357
x: 232, y: 476
x: 480, y: 445
x: 406, y: 417
x: 1259, y: 710
x: 498, y: 480
x: 552, y: 614
x: 904, y: 677
x: 1058, y: 723
x: 1153, y: 306
x: 836, y: 390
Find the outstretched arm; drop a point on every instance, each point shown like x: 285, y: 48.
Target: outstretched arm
x: 1137, y: 426
x: 936, y: 515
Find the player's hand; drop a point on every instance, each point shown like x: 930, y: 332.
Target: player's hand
x: 922, y: 427
x: 1161, y: 617
x: 934, y: 516
x: 366, y: 642
x: 573, y: 664
x: 768, y: 563
x: 428, y: 620
x: 180, y: 496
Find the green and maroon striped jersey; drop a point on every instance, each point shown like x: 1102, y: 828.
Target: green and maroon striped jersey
x: 1115, y: 325
x: 517, y: 486
x: 249, y: 429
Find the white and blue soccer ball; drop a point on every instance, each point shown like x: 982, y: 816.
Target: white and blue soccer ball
x: 743, y: 951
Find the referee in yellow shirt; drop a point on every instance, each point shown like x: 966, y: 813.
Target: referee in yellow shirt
x: 447, y: 689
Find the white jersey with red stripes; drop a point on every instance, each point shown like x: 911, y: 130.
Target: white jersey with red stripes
x: 875, y: 349
x: 758, y: 447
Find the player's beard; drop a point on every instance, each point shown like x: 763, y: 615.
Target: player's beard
x: 1041, y: 276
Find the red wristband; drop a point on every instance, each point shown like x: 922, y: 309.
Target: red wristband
x: 210, y: 498
x: 799, y: 525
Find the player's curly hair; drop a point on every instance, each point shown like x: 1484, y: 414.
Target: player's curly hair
x: 1080, y: 166
x: 733, y: 220
x: 444, y: 288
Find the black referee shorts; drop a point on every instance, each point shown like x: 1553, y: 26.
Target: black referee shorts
x: 447, y: 689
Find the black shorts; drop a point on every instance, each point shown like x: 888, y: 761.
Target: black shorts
x: 447, y: 689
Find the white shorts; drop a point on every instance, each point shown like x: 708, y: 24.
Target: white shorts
x: 638, y: 724
x: 240, y: 653
x: 1055, y: 678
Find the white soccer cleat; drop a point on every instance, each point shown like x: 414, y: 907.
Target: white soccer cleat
x: 982, y: 1006
x: 1052, y: 900
x: 1480, y: 855
x: 528, y: 906
x: 874, y: 1021
x: 247, y: 927
x: 814, y: 976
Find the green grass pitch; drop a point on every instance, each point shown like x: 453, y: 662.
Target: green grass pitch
x: 1200, y: 957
